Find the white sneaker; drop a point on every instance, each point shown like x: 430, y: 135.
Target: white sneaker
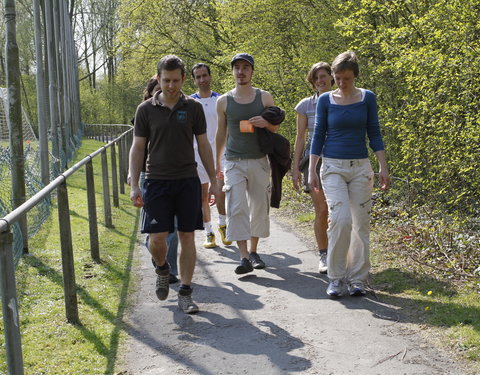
x: 322, y: 263
x: 356, y: 289
x: 335, y: 288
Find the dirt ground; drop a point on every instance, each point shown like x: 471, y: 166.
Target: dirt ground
x: 273, y: 321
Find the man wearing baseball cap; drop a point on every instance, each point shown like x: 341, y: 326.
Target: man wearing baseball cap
x: 247, y: 170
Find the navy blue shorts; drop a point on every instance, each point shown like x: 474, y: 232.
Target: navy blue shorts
x: 165, y: 199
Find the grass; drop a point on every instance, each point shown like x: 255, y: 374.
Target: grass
x: 50, y: 344
x: 445, y: 309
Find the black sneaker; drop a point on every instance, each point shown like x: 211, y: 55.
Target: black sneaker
x: 161, y: 286
x: 244, y: 267
x: 185, y: 301
x: 257, y: 263
x: 172, y: 279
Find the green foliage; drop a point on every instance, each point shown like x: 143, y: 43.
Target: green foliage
x: 285, y: 37
x: 110, y: 103
x: 422, y: 59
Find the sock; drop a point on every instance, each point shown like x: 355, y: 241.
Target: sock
x: 208, y: 227
x: 164, y: 267
x: 222, y: 219
x: 322, y: 251
x: 186, y: 287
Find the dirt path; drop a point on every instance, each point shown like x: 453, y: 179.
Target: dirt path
x: 273, y: 321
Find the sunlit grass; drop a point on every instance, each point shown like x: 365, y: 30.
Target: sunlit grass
x: 50, y: 344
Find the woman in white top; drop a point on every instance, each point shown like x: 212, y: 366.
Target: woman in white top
x: 320, y: 77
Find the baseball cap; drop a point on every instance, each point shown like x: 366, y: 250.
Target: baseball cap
x: 243, y: 56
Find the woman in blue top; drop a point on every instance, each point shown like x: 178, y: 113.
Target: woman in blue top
x: 344, y: 117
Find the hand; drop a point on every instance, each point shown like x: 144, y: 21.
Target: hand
x: 296, y: 178
x: 258, y: 122
x: 313, y: 181
x: 213, y: 189
x: 384, y: 180
x: 136, y: 197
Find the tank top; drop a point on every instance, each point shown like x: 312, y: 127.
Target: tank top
x: 242, y: 145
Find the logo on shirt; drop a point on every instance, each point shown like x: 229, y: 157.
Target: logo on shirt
x: 182, y: 116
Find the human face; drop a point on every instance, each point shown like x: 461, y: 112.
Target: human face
x: 242, y: 72
x: 345, y: 79
x: 322, y: 81
x: 201, y: 78
x: 171, y: 82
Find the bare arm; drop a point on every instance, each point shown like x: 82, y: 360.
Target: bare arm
x: 302, y: 123
x: 135, y: 162
x: 205, y: 152
x: 221, y: 136
x: 259, y: 121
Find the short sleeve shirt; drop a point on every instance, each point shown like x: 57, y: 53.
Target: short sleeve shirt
x: 170, y: 134
x: 308, y: 107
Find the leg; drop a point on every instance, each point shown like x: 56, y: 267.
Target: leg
x: 189, y: 216
x: 255, y: 259
x: 238, y: 215
x: 335, y: 187
x: 360, y: 189
x: 245, y: 264
x: 258, y: 190
x: 207, y: 220
x: 188, y: 256
x: 157, y: 245
x: 320, y: 227
x: 222, y: 218
x: 254, y: 244
x: 321, y: 218
x: 172, y: 255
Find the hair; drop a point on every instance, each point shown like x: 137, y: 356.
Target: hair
x: 346, y: 61
x: 170, y: 62
x: 315, y: 68
x: 200, y: 65
x: 148, y: 92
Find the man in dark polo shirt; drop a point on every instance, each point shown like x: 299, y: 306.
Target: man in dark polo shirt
x: 167, y: 123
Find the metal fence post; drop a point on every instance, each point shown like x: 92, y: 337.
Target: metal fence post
x: 106, y: 191
x: 121, y: 158
x: 9, y: 306
x: 68, y: 268
x: 92, y: 213
x: 113, y: 160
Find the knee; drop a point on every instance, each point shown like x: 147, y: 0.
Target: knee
x: 340, y: 219
x: 157, y: 240
x: 186, y: 237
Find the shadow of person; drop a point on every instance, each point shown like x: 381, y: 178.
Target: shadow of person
x: 288, y: 278
x: 227, y: 294
x: 270, y: 343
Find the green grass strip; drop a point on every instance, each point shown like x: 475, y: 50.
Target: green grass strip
x: 50, y: 344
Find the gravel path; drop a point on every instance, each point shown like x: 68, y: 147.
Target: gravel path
x: 273, y: 321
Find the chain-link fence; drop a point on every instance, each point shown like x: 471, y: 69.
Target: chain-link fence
x: 33, y: 183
